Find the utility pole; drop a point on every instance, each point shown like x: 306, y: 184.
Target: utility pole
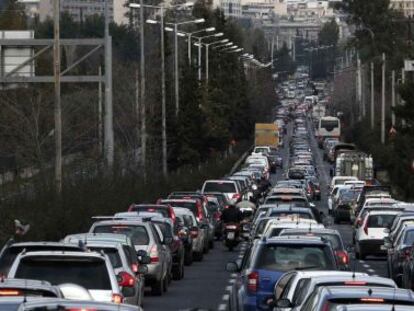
x: 383, y: 101
x: 359, y: 87
x: 207, y: 47
x: 163, y: 100
x: 108, y: 119
x: 393, y: 98
x: 177, y: 74
x: 189, y: 49
x: 58, y: 107
x: 100, y: 112
x: 364, y: 91
x: 143, y: 103
x: 372, y: 97
x: 272, y: 49
x: 402, y: 101
x: 199, y: 59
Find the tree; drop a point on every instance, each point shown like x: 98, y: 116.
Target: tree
x: 13, y: 16
x: 329, y: 34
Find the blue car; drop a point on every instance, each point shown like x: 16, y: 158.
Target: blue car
x: 267, y: 260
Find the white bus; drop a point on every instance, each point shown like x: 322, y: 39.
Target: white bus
x: 328, y: 127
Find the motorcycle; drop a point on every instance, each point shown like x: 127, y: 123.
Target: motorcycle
x: 231, y: 235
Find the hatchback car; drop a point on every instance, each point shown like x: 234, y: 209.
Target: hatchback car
x: 267, y: 260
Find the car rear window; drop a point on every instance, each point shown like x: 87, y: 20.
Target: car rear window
x: 10, y: 306
x: 192, y: 206
x: 138, y: 234
x: 332, y: 238
x: 225, y: 187
x: 285, y: 214
x: 112, y: 253
x: 294, y: 257
x: 86, y: 272
x: 165, y: 229
x: 161, y: 210
x: 380, y: 221
x: 10, y: 254
x: 409, y: 237
x: 294, y: 202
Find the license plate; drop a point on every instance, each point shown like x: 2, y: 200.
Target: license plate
x: 230, y: 235
x: 383, y: 248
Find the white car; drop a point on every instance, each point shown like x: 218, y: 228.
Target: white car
x: 340, y: 180
x: 369, y: 237
x: 293, y: 288
x: 229, y: 187
x: 275, y: 226
x: 90, y: 270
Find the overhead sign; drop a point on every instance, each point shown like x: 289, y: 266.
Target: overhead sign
x: 408, y: 65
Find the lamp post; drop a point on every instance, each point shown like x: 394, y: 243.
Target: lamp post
x: 190, y: 34
x: 207, y: 46
x: 177, y: 82
x: 219, y: 34
x: 163, y: 91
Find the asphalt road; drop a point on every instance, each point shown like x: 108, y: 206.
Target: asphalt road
x: 206, y: 284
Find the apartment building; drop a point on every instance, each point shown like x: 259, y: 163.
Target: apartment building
x: 405, y: 6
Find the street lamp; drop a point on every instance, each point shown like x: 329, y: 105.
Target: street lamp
x: 207, y: 45
x: 216, y: 35
x: 141, y: 6
x: 177, y: 82
x: 222, y: 45
x: 189, y: 35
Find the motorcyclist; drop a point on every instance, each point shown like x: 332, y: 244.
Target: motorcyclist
x: 231, y: 215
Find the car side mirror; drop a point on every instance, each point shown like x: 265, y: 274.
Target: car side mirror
x: 143, y: 269
x: 284, y: 303
x: 232, y: 267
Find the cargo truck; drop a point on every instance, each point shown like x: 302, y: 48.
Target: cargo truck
x: 266, y: 134
x: 355, y: 163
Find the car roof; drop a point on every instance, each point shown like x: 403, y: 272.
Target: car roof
x: 312, y: 229
x: 172, y: 201
x: 351, y: 276
x: 338, y: 274
x: 62, y: 254
x: 386, y: 212
x: 43, y: 243
x: 299, y: 239
x: 136, y: 221
x: 374, y: 307
x: 99, y: 237
x: 369, y: 291
x: 79, y: 304
x: 182, y: 210
x: 27, y: 283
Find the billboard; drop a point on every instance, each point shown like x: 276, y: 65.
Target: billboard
x: 12, y: 57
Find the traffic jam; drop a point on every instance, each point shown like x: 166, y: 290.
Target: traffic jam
x: 315, y: 230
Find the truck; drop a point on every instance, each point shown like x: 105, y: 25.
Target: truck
x: 318, y: 111
x: 266, y: 134
x: 355, y: 163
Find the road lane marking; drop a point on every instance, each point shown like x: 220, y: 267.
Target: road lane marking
x: 225, y: 297
x: 222, y: 307
x: 371, y: 270
x: 232, y: 281
x: 233, y: 275
x: 228, y: 288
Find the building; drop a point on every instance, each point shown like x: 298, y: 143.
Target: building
x: 231, y: 8
x: 78, y: 9
x: 404, y: 6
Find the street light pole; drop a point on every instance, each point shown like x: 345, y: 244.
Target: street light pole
x: 177, y: 82
x: 383, y: 101
x: 199, y: 59
x: 163, y: 101
x: 143, y: 103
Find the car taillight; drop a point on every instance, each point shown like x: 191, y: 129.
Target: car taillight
x: 366, y: 227
x: 126, y: 280
x: 236, y: 196
x: 199, y: 212
x: 116, y: 298
x: 154, y: 254
x: 134, y: 267
x: 326, y: 306
x: 194, y: 233
x: 358, y: 222
x: 217, y: 216
x: 10, y: 292
x: 172, y: 214
x: 407, y: 253
x: 343, y: 257
x: 252, y: 282
x: 355, y: 283
x: 374, y: 300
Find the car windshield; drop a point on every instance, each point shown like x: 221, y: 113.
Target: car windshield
x: 138, y: 234
x: 225, y: 187
x: 380, y: 221
x: 292, y: 257
x: 349, y: 195
x: 86, y: 272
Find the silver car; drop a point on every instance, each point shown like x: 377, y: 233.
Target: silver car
x: 197, y: 235
x: 131, y: 282
x: 91, y: 270
x: 148, y: 237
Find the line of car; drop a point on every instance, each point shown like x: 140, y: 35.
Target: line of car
x: 295, y: 261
